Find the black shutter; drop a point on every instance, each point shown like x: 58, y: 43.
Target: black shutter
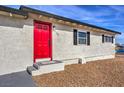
x: 88, y: 38
x: 102, y: 38
x: 112, y: 39
x: 75, y: 36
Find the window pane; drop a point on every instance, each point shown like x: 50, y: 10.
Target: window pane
x: 81, y: 34
x: 82, y: 41
x: 108, y: 39
x: 105, y: 38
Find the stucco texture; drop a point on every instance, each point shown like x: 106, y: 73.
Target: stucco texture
x: 16, y: 44
x: 63, y: 47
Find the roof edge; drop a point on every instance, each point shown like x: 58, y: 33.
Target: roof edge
x: 28, y: 9
x: 13, y: 10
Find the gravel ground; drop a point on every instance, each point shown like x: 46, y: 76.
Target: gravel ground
x: 105, y: 73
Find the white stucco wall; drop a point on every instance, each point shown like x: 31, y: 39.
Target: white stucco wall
x: 16, y: 44
x: 64, y: 49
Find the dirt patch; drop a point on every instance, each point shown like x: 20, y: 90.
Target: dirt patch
x: 102, y: 73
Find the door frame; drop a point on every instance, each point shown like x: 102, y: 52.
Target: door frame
x: 50, y: 37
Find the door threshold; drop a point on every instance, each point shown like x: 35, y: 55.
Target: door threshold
x: 43, y: 59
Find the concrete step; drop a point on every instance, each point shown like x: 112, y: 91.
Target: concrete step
x: 45, y: 67
x: 30, y: 69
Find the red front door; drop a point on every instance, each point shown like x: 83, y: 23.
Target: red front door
x: 42, y: 40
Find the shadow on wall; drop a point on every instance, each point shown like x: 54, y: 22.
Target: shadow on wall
x: 14, y: 22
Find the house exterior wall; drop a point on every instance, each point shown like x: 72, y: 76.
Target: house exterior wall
x: 64, y: 49
x: 16, y: 44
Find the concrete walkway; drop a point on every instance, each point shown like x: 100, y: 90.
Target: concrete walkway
x: 19, y: 79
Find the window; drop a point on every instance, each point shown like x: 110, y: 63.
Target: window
x: 39, y: 26
x: 44, y: 27
x: 108, y: 39
x: 82, y: 37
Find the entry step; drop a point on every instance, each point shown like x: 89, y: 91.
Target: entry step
x: 45, y: 67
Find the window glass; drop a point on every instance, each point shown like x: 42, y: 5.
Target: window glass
x: 82, y: 41
x: 82, y: 38
x: 81, y: 34
x: 107, y: 38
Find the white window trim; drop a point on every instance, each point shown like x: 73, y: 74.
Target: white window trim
x: 78, y: 38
